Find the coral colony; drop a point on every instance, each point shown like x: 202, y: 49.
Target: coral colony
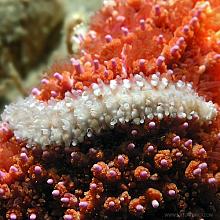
x: 127, y: 129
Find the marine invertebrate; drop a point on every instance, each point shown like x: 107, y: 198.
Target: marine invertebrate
x: 122, y: 132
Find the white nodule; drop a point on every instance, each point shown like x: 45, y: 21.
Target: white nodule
x: 103, y: 106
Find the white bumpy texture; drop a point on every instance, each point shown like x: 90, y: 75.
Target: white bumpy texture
x: 102, y: 106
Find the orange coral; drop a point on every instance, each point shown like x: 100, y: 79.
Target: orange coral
x: 132, y: 36
x: 133, y: 169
